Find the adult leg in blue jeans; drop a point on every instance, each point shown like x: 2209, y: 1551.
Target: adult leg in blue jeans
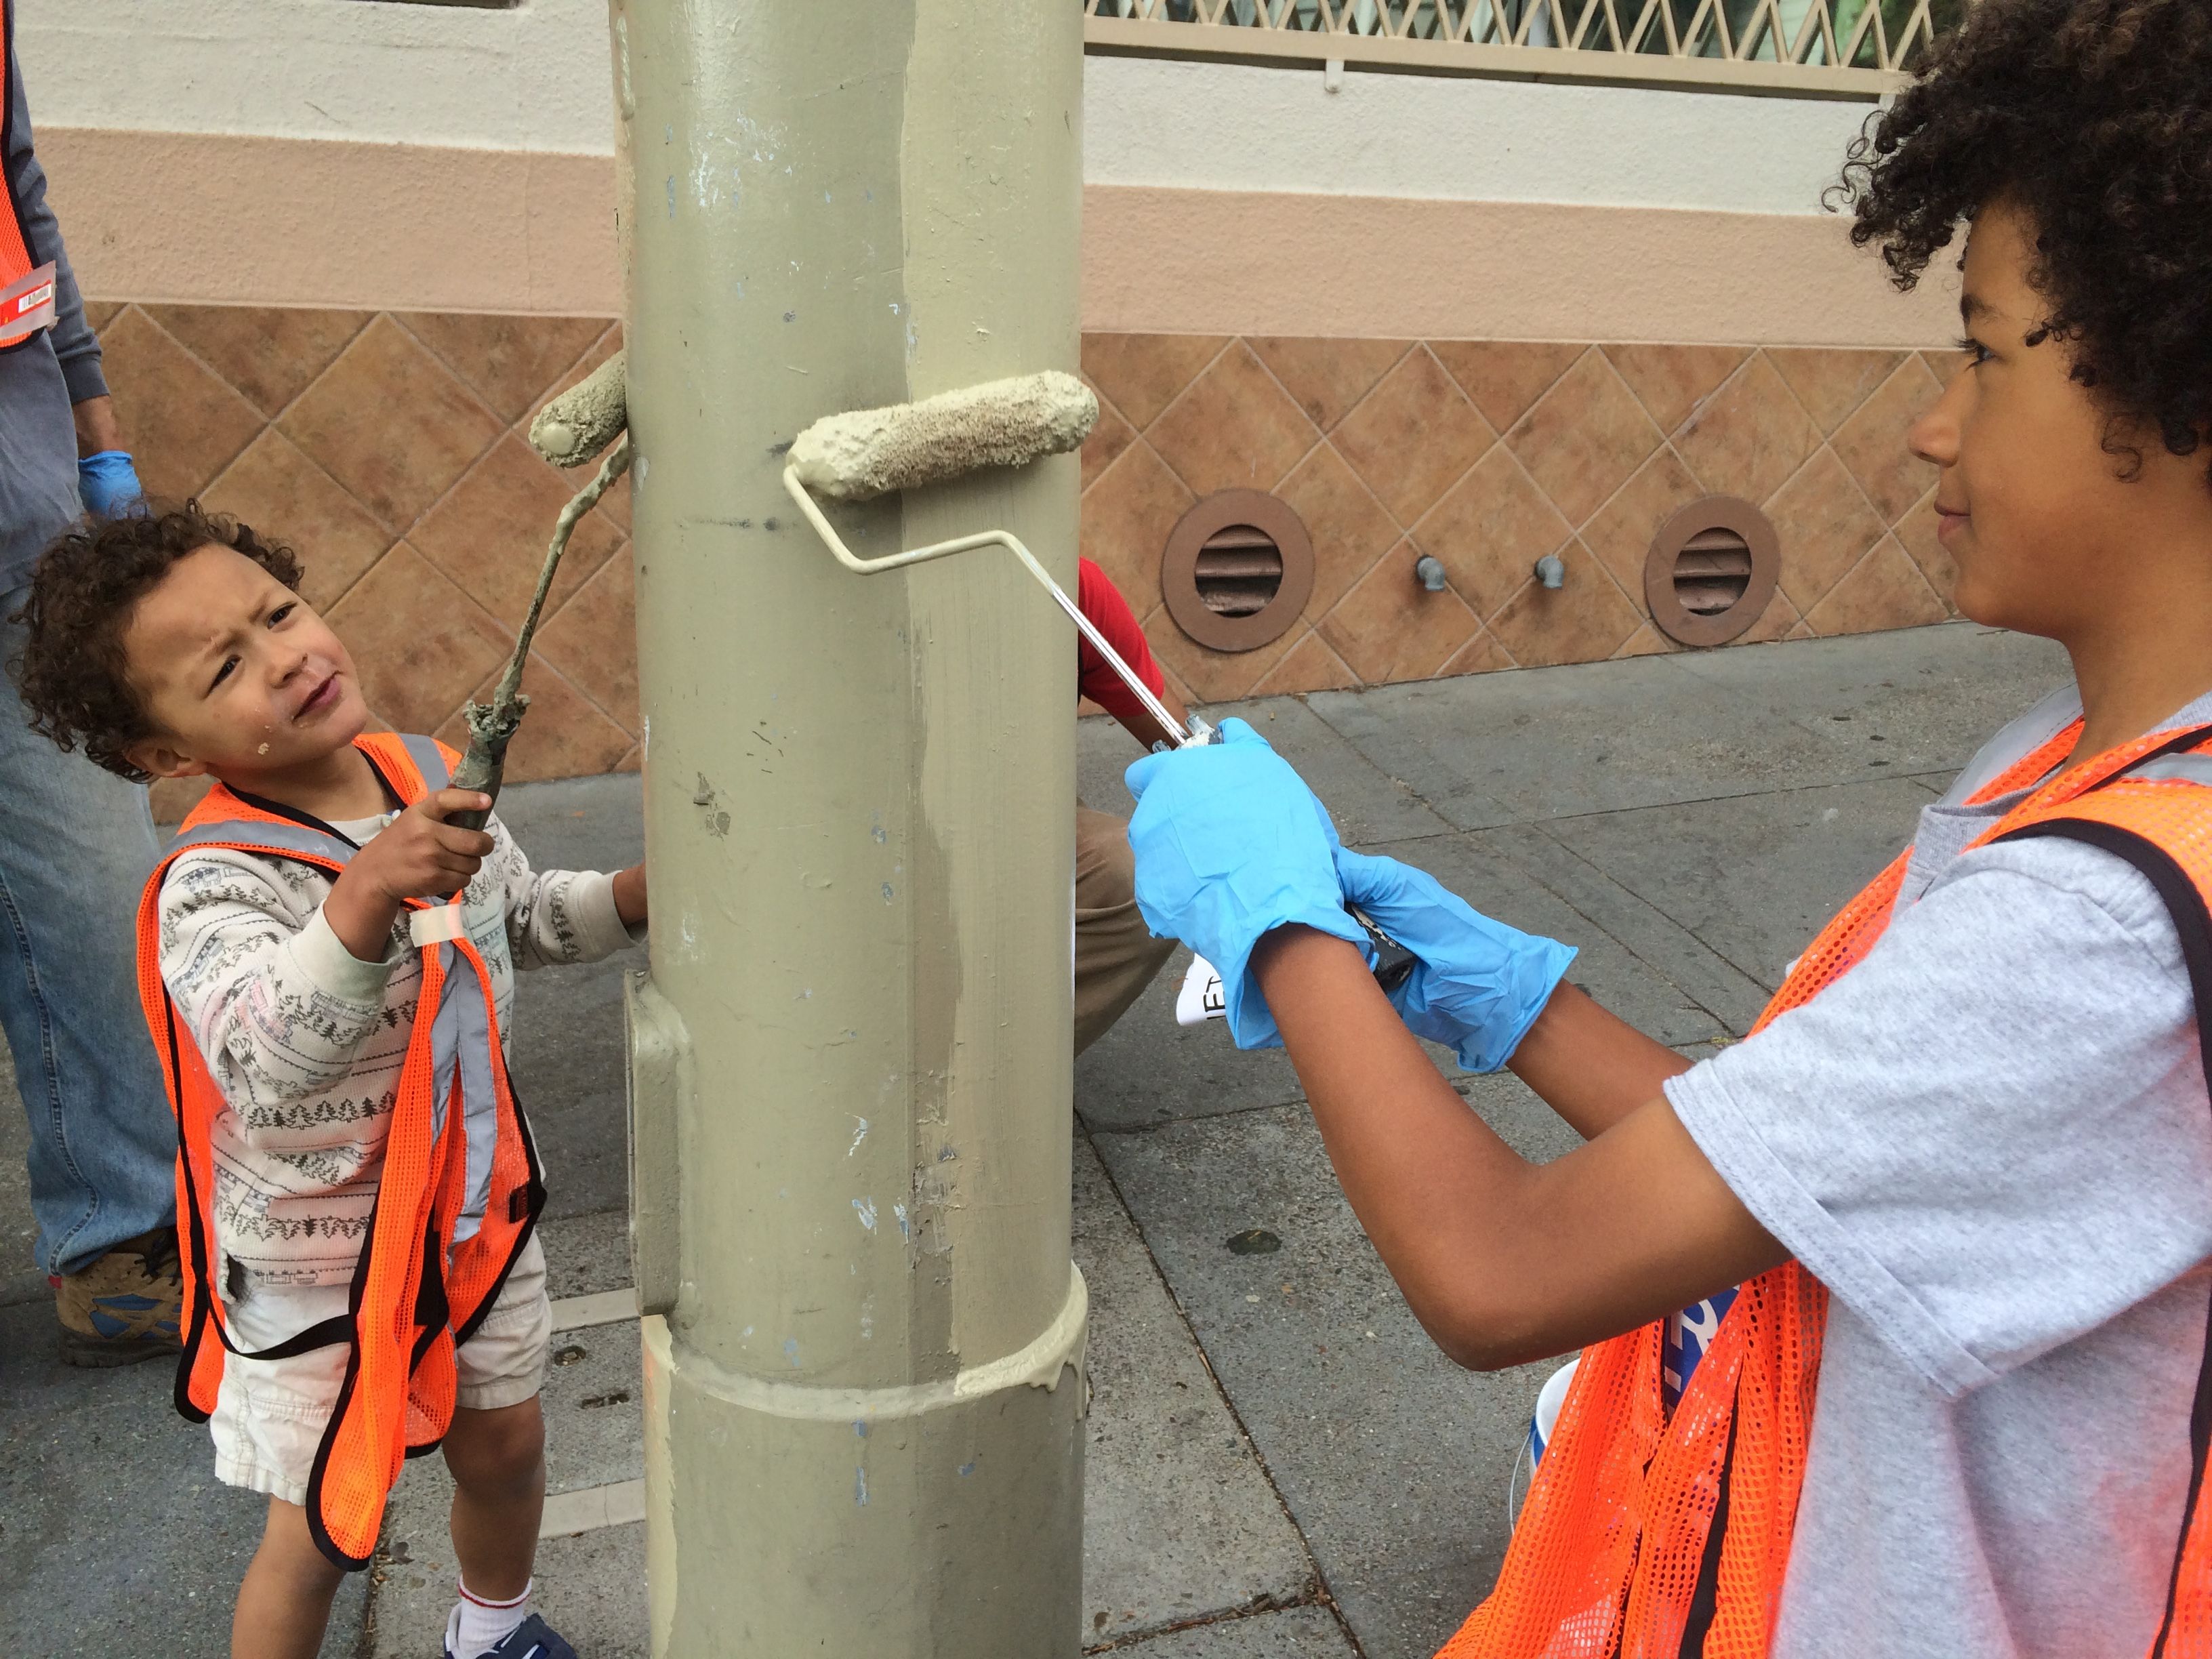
x: 75, y: 846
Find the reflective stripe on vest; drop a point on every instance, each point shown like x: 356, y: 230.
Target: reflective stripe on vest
x: 453, y: 1209
x: 27, y: 290
x: 1666, y: 1536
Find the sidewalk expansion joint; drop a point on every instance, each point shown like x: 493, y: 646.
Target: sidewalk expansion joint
x: 592, y: 1509
x: 576, y: 1313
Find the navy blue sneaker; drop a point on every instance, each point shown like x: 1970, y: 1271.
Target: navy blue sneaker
x: 534, y: 1638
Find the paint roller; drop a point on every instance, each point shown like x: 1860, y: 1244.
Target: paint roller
x: 860, y: 455
x: 572, y: 428
x: 872, y: 452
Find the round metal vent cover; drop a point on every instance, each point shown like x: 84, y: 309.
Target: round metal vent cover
x: 1237, y: 571
x: 1711, y: 570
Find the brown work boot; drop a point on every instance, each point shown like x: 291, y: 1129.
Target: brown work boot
x: 125, y: 1307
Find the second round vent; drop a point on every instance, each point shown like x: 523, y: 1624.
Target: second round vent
x: 1237, y: 570
x: 1711, y: 570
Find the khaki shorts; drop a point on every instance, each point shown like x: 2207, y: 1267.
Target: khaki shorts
x: 269, y: 1416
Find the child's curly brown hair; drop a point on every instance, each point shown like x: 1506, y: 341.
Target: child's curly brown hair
x: 71, y: 673
x: 2093, y: 118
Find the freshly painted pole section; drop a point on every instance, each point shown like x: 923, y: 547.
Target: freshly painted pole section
x: 850, y: 1067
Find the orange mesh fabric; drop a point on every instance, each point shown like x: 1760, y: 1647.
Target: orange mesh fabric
x: 1610, y: 1542
x: 399, y: 1390
x: 15, y: 253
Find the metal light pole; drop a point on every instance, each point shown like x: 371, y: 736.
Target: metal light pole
x: 850, y: 1062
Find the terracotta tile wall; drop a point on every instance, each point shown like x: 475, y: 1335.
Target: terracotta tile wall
x: 389, y: 448
x: 1489, y: 456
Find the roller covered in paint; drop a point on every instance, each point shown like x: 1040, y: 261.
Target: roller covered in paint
x: 584, y: 419
x: 872, y: 451
x: 859, y: 456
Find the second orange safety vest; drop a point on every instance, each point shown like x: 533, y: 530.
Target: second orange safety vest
x: 1651, y: 1534
x: 450, y: 1217
x: 27, y: 290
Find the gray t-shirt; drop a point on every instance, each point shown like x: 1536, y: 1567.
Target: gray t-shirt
x: 1991, y: 1141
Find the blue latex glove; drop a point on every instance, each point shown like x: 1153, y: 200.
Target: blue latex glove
x: 109, y: 484
x: 1229, y: 845
x: 1479, y: 985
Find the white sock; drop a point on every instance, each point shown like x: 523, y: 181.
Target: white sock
x: 477, y: 1624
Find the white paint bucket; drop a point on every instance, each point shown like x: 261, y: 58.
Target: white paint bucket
x: 1549, y: 1400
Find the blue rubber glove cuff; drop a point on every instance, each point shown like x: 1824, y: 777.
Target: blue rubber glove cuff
x: 1230, y: 845
x: 1479, y: 985
x: 109, y: 484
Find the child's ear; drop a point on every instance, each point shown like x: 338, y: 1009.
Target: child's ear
x: 152, y: 756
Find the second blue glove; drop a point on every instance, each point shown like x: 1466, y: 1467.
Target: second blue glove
x: 1479, y: 985
x: 109, y: 484
x: 1229, y: 845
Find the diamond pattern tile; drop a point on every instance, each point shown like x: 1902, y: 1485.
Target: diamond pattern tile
x: 1915, y: 533
x: 1749, y: 437
x: 1504, y: 377
x: 1872, y: 441
x: 1646, y: 641
x: 1673, y: 380
x: 1832, y: 384
x: 1349, y: 529
x: 1826, y: 527
x: 282, y: 494
x: 1328, y: 377
x: 584, y: 640
x: 392, y: 424
x: 1586, y: 620
x: 1142, y: 373
x: 1413, y: 436
x: 1309, y: 665
x: 1126, y: 518
x: 506, y: 361
x: 1480, y: 656
x: 180, y: 419
x: 1490, y: 529
x: 1584, y: 438
x: 1623, y: 530
x: 269, y: 353
x: 1234, y: 427
x: 491, y: 532
x: 564, y: 735
x: 1201, y: 676
x: 1884, y: 590
x: 1104, y: 446
x: 1383, y: 637
x: 421, y: 644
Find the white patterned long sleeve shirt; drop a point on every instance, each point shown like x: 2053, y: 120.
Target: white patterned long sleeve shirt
x: 306, y: 1041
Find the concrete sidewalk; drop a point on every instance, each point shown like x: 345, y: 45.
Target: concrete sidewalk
x: 1281, y: 1463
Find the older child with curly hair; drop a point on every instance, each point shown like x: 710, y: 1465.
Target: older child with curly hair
x: 328, y: 962
x: 1959, y: 1180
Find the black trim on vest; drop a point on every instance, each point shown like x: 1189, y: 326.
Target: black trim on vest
x: 1705, y: 1598
x: 2184, y: 903
x: 2182, y: 743
x: 277, y: 809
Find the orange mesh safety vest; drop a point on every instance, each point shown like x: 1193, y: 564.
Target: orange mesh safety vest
x: 27, y: 291
x: 1647, y: 1535
x: 457, y: 1201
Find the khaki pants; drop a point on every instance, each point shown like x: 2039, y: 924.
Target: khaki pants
x: 1116, y: 958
